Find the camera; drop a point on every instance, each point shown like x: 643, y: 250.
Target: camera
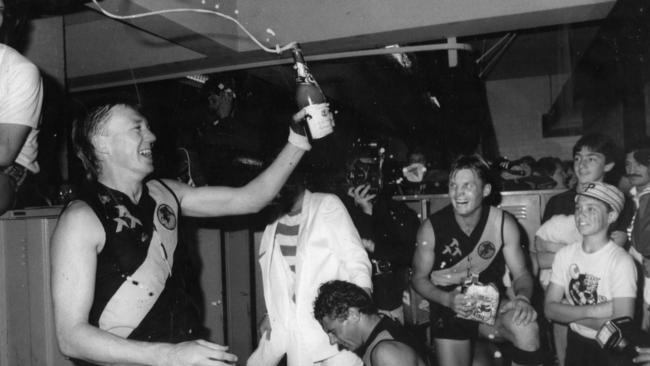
x: 364, y: 172
x: 621, y: 335
x: 373, y: 165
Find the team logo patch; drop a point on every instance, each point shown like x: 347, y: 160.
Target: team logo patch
x: 486, y: 250
x: 167, y: 217
x: 452, y: 249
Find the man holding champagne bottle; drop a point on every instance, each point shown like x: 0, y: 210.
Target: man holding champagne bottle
x: 117, y: 264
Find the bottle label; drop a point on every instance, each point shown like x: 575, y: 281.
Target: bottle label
x: 303, y: 75
x: 319, y: 120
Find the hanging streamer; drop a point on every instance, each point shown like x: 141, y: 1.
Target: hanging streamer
x: 277, y: 49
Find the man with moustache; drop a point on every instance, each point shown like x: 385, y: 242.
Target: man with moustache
x: 637, y: 162
x: 466, y: 240
x: 311, y: 241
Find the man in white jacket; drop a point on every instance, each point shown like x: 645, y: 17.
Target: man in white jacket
x: 313, y: 241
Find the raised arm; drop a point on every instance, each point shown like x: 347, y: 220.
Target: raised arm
x: 225, y: 201
x: 77, y: 239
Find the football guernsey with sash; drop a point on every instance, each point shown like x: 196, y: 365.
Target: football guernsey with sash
x: 389, y: 330
x: 459, y: 258
x: 140, y: 286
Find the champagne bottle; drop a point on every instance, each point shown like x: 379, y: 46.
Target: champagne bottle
x: 310, y: 96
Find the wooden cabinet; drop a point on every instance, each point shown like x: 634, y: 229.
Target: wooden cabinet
x: 26, y: 320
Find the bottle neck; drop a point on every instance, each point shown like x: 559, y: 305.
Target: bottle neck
x: 302, y: 71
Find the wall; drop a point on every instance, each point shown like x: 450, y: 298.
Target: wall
x: 517, y: 106
x: 45, y: 47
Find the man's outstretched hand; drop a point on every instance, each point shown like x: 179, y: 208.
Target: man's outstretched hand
x: 197, y: 353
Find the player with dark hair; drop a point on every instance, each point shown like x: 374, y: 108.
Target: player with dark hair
x: 350, y: 319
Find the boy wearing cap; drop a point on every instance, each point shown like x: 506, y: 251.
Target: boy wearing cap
x: 593, y: 157
x: 637, y: 162
x: 595, y: 277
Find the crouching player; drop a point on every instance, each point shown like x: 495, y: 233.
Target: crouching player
x: 351, y: 320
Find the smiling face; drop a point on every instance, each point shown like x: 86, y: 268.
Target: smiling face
x: 592, y: 215
x: 126, y: 142
x: 638, y: 174
x: 590, y: 166
x: 467, y: 191
x: 342, y: 332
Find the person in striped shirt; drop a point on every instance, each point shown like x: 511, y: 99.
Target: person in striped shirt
x: 312, y: 241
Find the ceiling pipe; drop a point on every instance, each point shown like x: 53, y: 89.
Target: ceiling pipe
x: 493, y: 60
x: 251, y: 65
x: 493, y: 48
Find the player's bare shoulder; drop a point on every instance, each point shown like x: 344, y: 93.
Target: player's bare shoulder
x: 388, y: 353
x: 426, y: 237
x: 79, y: 225
x: 510, y: 229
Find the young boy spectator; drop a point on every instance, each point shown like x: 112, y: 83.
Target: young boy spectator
x: 593, y: 157
x: 594, y: 280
